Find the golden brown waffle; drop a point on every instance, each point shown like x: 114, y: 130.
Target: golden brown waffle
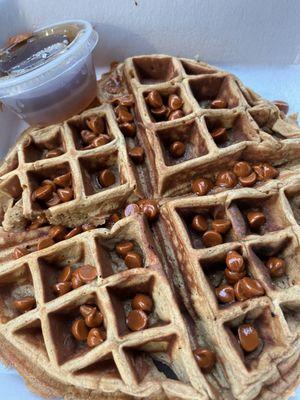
x: 180, y: 273
x: 26, y: 166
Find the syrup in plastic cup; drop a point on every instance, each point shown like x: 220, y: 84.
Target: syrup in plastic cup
x: 49, y: 75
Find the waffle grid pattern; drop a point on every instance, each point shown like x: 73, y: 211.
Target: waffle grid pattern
x: 22, y: 181
x: 196, y: 263
x: 118, y: 344
x: 193, y: 81
x: 117, y: 365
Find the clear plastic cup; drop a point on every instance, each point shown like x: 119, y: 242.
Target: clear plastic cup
x: 61, y: 86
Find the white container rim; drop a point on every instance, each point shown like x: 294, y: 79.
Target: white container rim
x: 80, y: 47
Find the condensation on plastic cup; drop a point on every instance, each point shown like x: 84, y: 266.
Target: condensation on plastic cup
x: 61, y: 87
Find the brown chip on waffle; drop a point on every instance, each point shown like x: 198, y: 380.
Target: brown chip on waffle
x: 149, y: 247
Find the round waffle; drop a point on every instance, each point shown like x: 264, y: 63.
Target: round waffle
x: 149, y: 247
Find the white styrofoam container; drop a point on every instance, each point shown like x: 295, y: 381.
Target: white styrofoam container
x: 257, y: 40
x: 224, y: 31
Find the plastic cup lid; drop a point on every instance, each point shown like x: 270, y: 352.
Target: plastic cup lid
x: 80, y: 47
